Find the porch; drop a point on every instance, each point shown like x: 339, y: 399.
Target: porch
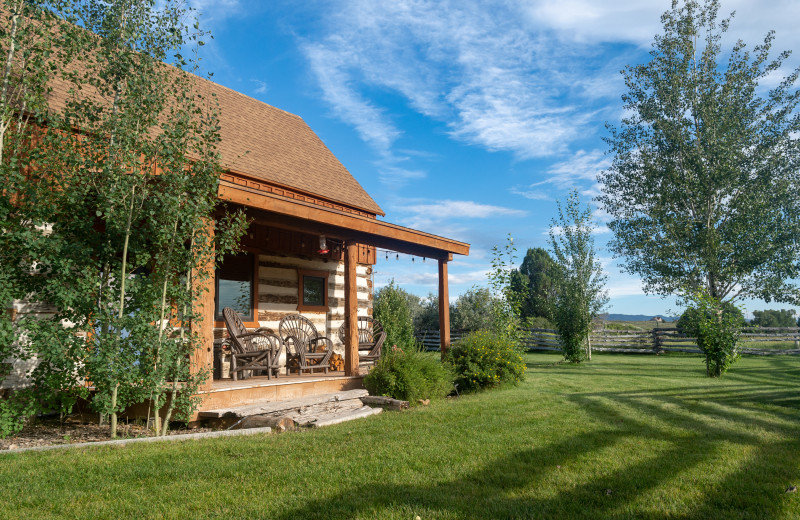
x: 308, y: 258
x: 224, y: 393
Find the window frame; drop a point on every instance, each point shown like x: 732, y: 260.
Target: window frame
x: 219, y: 322
x: 300, y: 289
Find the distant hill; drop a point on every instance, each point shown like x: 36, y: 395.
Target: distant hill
x: 637, y: 317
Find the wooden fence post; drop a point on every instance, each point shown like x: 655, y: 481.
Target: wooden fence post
x: 656, y: 341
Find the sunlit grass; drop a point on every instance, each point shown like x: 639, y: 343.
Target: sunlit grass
x: 620, y: 437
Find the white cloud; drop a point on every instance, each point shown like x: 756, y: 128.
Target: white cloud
x: 618, y: 288
x: 532, y: 194
x: 214, y: 11
x: 480, y: 68
x: 438, y: 216
x: 330, y: 67
x: 579, y: 170
x: 261, y: 86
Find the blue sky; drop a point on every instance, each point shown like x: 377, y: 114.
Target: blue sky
x: 466, y: 119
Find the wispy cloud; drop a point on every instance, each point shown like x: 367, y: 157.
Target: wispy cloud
x: 580, y: 170
x: 482, y: 69
x: 435, y: 216
x: 215, y: 11
x: 261, y: 86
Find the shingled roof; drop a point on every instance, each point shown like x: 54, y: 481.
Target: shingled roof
x: 264, y: 142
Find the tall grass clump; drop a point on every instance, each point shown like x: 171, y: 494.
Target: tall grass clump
x: 484, y: 359
x: 409, y: 375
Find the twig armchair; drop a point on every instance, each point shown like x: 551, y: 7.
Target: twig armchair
x: 304, y: 344
x: 256, y: 350
x: 370, y: 338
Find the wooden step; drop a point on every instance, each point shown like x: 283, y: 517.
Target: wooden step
x: 272, y: 407
x: 364, y: 411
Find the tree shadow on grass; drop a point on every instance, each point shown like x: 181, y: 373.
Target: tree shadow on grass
x: 685, y: 434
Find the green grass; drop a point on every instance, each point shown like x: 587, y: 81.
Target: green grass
x: 620, y: 437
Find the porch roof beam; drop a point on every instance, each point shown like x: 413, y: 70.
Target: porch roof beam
x: 306, y: 217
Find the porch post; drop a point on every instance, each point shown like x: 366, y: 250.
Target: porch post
x: 444, y: 307
x: 203, y: 357
x: 351, y: 310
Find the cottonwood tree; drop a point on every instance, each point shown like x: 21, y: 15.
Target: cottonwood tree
x: 535, y: 281
x: 128, y: 173
x: 703, y: 189
x: 580, y: 295
x: 775, y: 318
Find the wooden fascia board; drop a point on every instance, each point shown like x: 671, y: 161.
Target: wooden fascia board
x: 244, y: 176
x: 365, y: 230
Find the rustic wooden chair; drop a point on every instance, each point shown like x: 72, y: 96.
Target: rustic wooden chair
x: 304, y: 344
x: 370, y: 339
x: 256, y: 350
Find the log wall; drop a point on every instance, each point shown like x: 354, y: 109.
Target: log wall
x: 278, y: 294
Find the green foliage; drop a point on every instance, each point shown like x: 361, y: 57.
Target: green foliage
x: 505, y: 302
x: 773, y: 318
x: 689, y: 321
x: 408, y: 375
x: 580, y: 295
x: 539, y: 323
x: 472, y: 310
x: 426, y: 316
x: 126, y: 206
x: 15, y: 411
x: 391, y: 308
x: 703, y: 188
x: 536, y: 282
x: 483, y: 359
x: 717, y: 333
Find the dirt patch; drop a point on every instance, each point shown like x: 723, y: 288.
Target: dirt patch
x: 49, y: 432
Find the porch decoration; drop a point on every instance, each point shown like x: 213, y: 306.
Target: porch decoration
x: 306, y: 349
x: 257, y: 350
x: 337, y: 363
x: 370, y: 338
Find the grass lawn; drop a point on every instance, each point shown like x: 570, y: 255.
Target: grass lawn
x: 620, y: 437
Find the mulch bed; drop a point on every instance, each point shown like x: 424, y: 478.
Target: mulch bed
x: 49, y: 431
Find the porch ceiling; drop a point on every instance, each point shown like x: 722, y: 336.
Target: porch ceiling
x: 276, y: 211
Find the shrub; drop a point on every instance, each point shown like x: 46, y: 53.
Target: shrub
x: 689, y: 322
x: 483, y: 359
x: 409, y: 375
x: 539, y: 322
x: 717, y: 331
x: 391, y: 308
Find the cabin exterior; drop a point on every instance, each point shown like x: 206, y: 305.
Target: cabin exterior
x: 310, y: 249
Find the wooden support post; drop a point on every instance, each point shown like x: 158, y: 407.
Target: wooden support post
x: 444, y: 308
x: 203, y: 358
x: 351, y: 310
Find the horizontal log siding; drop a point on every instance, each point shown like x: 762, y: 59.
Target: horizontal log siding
x: 278, y: 294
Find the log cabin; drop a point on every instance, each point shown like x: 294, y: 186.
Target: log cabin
x: 313, y: 224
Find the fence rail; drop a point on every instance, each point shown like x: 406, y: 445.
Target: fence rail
x: 762, y: 341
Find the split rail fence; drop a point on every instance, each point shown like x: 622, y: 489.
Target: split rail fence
x: 761, y: 341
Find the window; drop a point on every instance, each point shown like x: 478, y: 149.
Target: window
x: 313, y: 291
x: 235, y: 287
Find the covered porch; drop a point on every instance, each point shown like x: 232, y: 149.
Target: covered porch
x: 285, y: 243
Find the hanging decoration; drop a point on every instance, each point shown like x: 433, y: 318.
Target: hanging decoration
x: 323, y: 246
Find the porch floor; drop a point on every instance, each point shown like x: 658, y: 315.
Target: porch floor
x: 226, y: 393
x: 221, y: 385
